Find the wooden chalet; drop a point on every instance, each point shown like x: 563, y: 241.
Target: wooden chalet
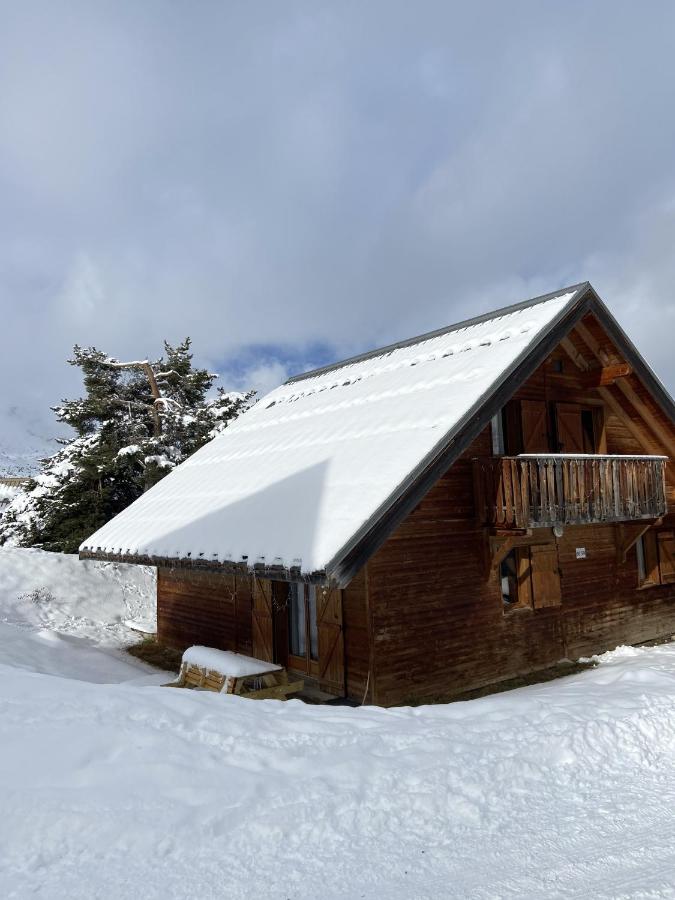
x: 424, y: 520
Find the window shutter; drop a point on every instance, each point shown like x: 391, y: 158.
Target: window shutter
x: 331, y: 642
x: 524, y: 577
x: 535, y: 432
x: 513, y: 430
x: 666, y: 541
x: 652, y: 575
x: 599, y: 430
x: 570, y: 432
x: 545, y: 575
x: 262, y: 620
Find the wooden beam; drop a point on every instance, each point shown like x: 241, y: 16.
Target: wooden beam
x: 588, y: 339
x: 574, y: 354
x: 499, y: 550
x: 667, y: 440
x: 498, y: 546
x: 643, y: 439
x: 606, y: 375
x: 629, y: 535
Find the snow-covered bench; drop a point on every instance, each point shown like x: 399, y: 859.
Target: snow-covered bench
x: 205, y: 668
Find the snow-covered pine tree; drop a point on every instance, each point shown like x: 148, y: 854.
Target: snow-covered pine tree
x: 136, y: 422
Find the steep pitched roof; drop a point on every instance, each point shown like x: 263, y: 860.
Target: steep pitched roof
x: 315, y: 476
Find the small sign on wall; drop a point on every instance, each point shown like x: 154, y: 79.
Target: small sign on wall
x: 581, y: 553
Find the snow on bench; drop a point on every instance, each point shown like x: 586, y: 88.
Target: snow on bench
x: 205, y: 668
x: 227, y: 662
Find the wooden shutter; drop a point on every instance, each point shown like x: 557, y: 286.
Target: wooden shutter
x: 599, y: 430
x: 666, y: 541
x: 524, y: 570
x: 513, y: 430
x: 651, y: 557
x: 535, y: 431
x: 545, y: 575
x: 570, y: 432
x: 263, y: 620
x: 331, y: 641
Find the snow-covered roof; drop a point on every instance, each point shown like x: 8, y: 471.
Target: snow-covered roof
x: 296, y: 479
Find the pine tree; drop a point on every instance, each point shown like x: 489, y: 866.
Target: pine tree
x: 136, y: 422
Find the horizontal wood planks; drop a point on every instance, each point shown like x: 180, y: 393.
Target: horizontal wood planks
x: 203, y: 608
x: 356, y: 624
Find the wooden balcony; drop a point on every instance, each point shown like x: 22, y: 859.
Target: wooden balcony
x: 537, y: 491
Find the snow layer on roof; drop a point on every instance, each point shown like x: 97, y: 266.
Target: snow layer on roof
x: 291, y: 481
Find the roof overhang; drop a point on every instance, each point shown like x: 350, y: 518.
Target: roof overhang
x: 401, y: 503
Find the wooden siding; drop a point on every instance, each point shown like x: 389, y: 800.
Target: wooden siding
x: 357, y: 631
x: 203, y: 608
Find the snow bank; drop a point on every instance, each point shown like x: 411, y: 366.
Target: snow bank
x: 563, y: 790
x: 59, y: 592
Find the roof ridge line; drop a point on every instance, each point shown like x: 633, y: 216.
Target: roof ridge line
x: 447, y: 329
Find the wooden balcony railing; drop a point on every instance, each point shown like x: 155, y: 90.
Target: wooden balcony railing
x: 535, y: 491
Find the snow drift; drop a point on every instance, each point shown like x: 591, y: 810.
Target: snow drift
x: 561, y: 790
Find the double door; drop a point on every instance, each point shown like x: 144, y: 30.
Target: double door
x: 299, y: 625
x: 533, y: 426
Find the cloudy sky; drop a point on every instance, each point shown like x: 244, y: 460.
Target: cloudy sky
x: 288, y: 183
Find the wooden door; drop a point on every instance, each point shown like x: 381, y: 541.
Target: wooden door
x: 545, y: 575
x: 570, y: 431
x: 263, y: 620
x: 535, y: 426
x: 331, y: 640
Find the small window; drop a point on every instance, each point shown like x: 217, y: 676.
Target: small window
x: 655, y: 552
x: 529, y: 578
x: 515, y: 577
x: 642, y: 568
x: 557, y: 366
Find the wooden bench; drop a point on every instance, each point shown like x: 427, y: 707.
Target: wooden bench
x: 231, y: 673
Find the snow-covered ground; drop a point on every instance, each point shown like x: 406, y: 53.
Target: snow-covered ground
x: 115, y: 790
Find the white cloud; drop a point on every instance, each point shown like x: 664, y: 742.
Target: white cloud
x: 336, y: 174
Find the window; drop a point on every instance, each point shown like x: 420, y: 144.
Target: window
x: 529, y: 578
x: 497, y: 426
x: 303, y: 633
x: 514, y: 572
x: 656, y: 558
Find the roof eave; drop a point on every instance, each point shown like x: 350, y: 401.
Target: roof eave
x: 201, y: 564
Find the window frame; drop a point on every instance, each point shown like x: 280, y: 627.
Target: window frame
x: 531, y: 578
x: 307, y: 662
x: 648, y: 551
